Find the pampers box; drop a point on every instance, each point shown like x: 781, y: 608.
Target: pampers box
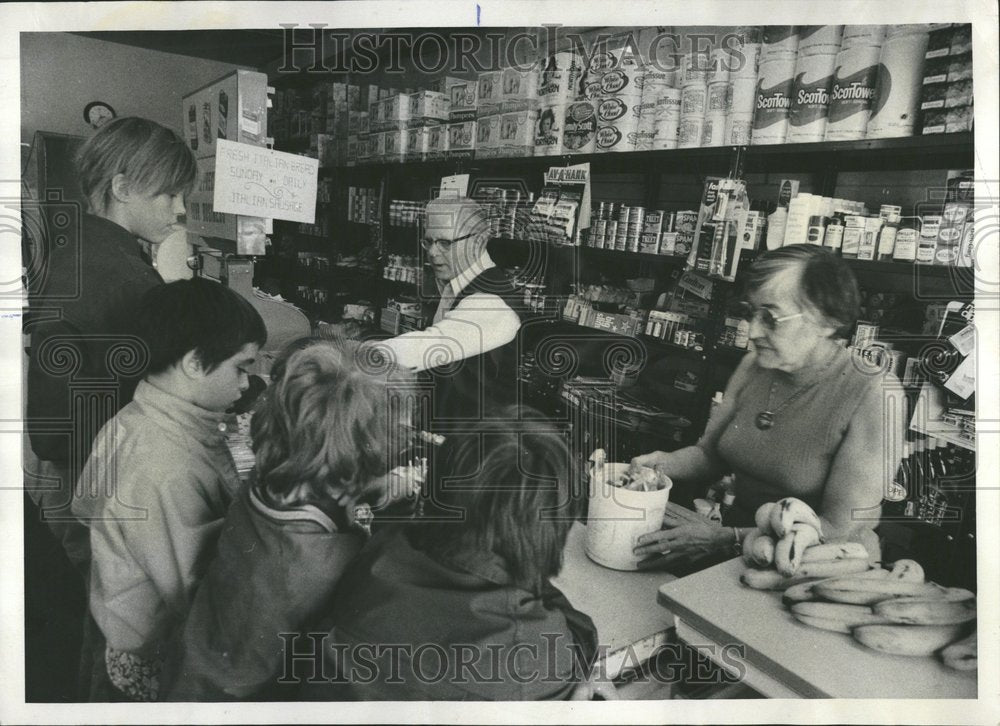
x: 518, y: 90
x: 488, y: 136
x: 489, y: 95
x: 462, y: 100
x: 517, y: 133
x: 437, y: 141
x: 461, y: 139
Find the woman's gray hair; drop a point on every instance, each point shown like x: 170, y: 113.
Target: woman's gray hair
x: 826, y: 283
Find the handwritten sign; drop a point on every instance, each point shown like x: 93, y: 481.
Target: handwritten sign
x: 259, y: 182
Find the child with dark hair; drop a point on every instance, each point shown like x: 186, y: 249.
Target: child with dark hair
x: 324, y: 438
x: 463, y: 594
x: 160, y: 476
x: 134, y: 174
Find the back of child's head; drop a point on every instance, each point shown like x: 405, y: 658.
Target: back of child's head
x: 153, y: 159
x: 197, y: 315
x: 327, y: 427
x: 509, y: 489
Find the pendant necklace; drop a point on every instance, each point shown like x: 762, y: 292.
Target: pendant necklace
x: 765, y: 419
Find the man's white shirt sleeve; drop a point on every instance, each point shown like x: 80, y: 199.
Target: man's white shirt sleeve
x: 478, y: 324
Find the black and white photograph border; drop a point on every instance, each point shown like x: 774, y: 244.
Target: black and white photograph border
x: 106, y: 79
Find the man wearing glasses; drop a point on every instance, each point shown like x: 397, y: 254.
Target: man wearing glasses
x: 471, y: 345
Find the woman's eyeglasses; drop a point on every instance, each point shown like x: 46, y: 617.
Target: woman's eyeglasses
x: 444, y: 244
x: 764, y: 316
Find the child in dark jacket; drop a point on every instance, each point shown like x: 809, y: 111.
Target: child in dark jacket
x: 458, y: 604
x: 323, y: 439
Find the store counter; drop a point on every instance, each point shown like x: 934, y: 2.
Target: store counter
x: 621, y: 604
x: 786, y: 659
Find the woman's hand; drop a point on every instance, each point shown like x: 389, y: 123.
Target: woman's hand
x: 684, y: 533
x: 651, y: 460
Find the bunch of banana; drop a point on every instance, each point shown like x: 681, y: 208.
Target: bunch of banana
x: 892, y: 611
x: 786, y: 548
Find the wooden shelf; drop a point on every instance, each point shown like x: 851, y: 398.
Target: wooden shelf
x: 907, y: 152
x: 672, y: 260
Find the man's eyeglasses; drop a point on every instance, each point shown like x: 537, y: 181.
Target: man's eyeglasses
x: 444, y: 244
x: 769, y: 320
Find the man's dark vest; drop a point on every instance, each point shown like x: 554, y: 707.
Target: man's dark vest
x: 472, y: 389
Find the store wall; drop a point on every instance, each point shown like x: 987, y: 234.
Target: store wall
x: 61, y: 73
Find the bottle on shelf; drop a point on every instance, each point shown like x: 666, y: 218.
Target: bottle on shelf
x: 728, y: 497
x: 898, y: 493
x: 919, y: 464
x: 907, y: 236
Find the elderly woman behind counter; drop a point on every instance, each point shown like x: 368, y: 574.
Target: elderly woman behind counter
x: 801, y: 416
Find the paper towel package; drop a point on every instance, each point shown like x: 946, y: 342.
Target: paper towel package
x: 852, y: 92
x: 557, y: 77
x: 897, y: 86
x: 820, y: 39
x: 807, y: 119
x: 774, y: 91
x: 549, y: 129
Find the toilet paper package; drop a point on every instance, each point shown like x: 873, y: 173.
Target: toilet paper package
x: 720, y: 98
x: 580, y: 127
x: 664, y: 120
x: 714, y: 129
x: 617, y: 122
x: 694, y: 100
x: 622, y: 82
x: 690, y: 132
x: 739, y: 129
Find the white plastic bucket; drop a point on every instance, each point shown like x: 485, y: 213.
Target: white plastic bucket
x: 617, y: 517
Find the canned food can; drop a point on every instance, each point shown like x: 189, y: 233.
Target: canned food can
x: 610, y: 232
x: 634, y: 229
x: 597, y: 232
